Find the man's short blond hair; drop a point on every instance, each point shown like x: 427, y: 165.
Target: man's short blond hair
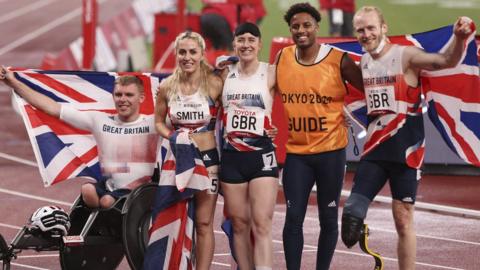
x: 377, y: 10
x: 130, y: 79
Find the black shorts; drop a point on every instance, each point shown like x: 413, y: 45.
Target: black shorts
x: 371, y: 176
x: 241, y: 167
x: 102, y: 191
x: 210, y: 157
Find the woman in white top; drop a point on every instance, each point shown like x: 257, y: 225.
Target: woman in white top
x: 249, y: 171
x: 187, y: 101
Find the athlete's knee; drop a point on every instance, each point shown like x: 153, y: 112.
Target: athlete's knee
x: 354, y: 213
x: 262, y: 227
x: 240, y: 224
x: 329, y: 224
x: 403, y: 217
x: 203, y: 227
x: 88, y: 190
x: 106, y: 201
x: 89, y: 195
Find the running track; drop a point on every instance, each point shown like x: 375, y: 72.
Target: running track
x: 447, y: 239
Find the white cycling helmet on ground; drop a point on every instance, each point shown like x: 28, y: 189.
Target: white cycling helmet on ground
x: 51, y: 219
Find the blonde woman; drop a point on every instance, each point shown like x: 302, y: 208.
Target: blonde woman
x: 188, y: 100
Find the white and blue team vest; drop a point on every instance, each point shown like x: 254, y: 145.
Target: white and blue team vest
x: 247, y: 107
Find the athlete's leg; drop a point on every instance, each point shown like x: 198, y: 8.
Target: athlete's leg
x: 263, y: 195
x: 403, y: 184
x: 407, y: 243
x: 369, y: 179
x: 329, y: 174
x: 90, y: 196
x: 106, y: 201
x: 297, y: 185
x: 238, y: 209
x: 205, y: 202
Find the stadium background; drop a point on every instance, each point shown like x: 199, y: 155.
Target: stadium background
x: 455, y: 248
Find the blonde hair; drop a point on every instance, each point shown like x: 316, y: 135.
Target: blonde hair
x: 377, y: 10
x: 177, y: 76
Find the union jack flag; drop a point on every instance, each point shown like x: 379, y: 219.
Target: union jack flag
x: 182, y: 175
x: 62, y: 151
x: 452, y: 95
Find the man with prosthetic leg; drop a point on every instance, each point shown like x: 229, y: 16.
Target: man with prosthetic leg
x: 394, y: 147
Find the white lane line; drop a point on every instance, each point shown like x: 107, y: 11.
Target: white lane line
x: 42, y: 30
x: 384, y: 199
x: 17, y: 159
x: 29, y: 266
x: 24, y: 10
x: 394, y: 232
x: 10, y: 226
x: 39, y: 198
x: 428, y: 206
x: 37, y: 256
x: 429, y: 236
x: 221, y: 264
x: 385, y: 258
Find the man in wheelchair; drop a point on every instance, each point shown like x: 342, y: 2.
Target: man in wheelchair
x: 112, y: 216
x: 127, y: 141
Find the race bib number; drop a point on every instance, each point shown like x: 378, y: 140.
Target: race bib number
x: 381, y: 99
x: 249, y: 119
x: 214, y: 187
x: 269, y: 161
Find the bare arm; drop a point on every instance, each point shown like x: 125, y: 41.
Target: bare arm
x: 161, y: 112
x: 216, y: 88
x: 36, y: 99
x: 351, y: 72
x: 417, y: 59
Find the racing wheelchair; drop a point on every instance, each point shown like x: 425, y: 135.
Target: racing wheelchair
x: 89, y: 238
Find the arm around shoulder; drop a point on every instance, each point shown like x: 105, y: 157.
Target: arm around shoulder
x: 216, y: 87
x: 351, y: 72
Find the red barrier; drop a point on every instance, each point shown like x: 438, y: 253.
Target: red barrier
x: 164, y: 35
x: 63, y: 61
x: 89, y: 24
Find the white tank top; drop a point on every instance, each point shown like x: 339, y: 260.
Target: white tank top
x: 382, y: 79
x: 247, y: 101
x: 247, y: 107
x: 194, y: 111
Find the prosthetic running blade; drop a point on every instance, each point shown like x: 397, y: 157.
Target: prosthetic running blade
x: 364, y: 246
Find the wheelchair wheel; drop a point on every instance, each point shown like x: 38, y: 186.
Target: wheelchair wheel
x: 102, y: 247
x: 5, y: 253
x: 136, y: 223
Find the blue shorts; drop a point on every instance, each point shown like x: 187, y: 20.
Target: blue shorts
x: 102, y: 191
x: 241, y: 167
x: 371, y: 176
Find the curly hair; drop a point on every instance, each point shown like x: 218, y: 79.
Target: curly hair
x: 300, y: 8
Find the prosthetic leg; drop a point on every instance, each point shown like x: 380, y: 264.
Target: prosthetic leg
x: 364, y: 246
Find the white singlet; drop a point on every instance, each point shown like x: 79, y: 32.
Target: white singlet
x: 191, y: 111
x: 382, y: 79
x: 126, y: 150
x: 247, y: 103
